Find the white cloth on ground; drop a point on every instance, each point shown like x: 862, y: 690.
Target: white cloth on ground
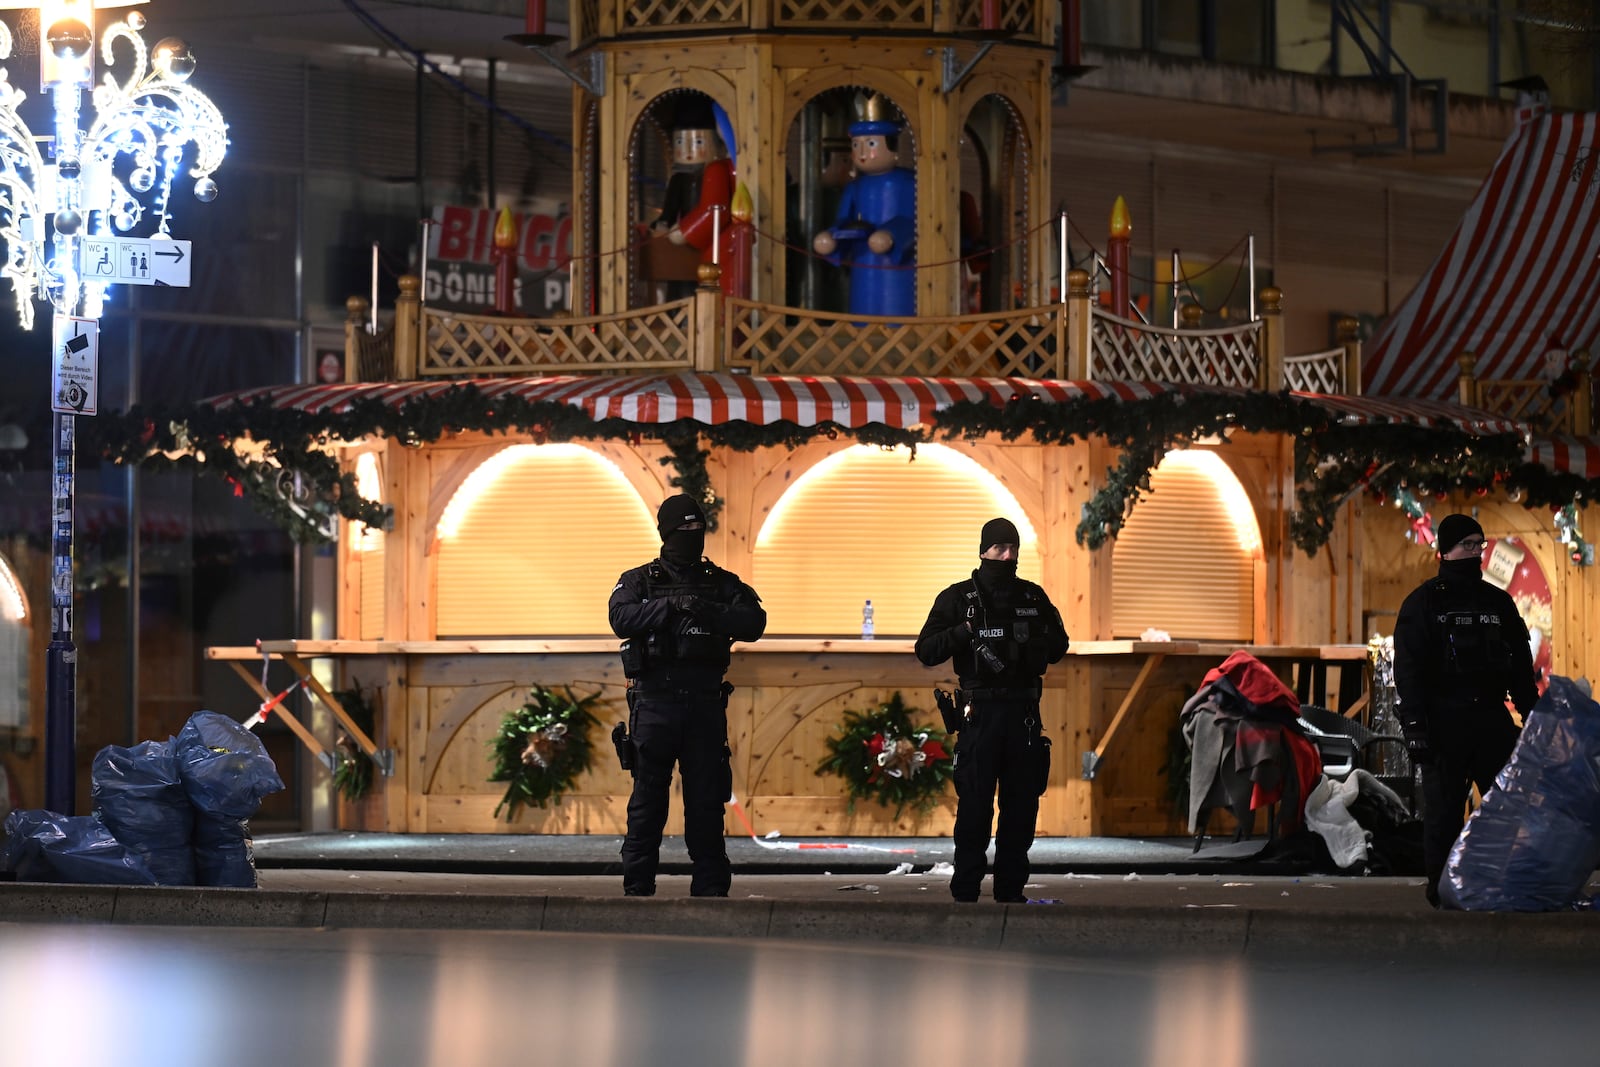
x: 1328, y: 814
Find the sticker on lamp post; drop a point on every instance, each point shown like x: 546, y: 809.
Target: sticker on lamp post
x: 75, y: 386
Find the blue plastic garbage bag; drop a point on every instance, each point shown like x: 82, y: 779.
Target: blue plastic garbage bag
x: 222, y: 852
x: 139, y: 796
x: 225, y: 771
x: 43, y: 846
x: 1535, y: 840
x: 224, y: 767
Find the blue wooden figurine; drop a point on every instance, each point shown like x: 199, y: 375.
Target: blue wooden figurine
x: 875, y: 232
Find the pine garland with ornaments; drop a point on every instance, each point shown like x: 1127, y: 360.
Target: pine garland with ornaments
x: 884, y: 756
x: 1421, y: 531
x: 1570, y: 534
x: 284, y: 460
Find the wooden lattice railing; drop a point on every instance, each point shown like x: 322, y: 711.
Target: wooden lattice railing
x: 710, y: 332
x: 645, y: 15
x: 653, y: 338
x: 1316, y: 372
x: 897, y: 14
x: 1026, y: 19
x: 776, y: 340
x: 1530, y: 401
x: 1535, y: 401
x: 1126, y: 350
x: 1014, y: 16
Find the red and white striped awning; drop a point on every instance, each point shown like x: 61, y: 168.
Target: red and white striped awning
x: 1567, y: 455
x: 718, y: 398
x: 1518, y: 279
x: 806, y: 400
x: 1375, y: 410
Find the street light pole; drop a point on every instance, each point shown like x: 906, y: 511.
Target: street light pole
x: 98, y: 189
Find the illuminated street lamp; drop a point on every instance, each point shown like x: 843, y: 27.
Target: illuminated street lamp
x: 68, y: 222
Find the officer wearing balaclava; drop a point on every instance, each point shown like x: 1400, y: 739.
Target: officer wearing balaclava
x: 677, y: 616
x: 1002, y: 633
x: 1460, y: 647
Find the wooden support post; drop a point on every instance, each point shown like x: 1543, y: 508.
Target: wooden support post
x: 356, y: 313
x: 1349, y: 333
x: 1080, y: 323
x: 1272, y: 340
x: 408, y: 338
x: 1091, y: 759
x: 706, y: 314
x: 295, y: 726
x: 1467, y: 384
x: 303, y: 671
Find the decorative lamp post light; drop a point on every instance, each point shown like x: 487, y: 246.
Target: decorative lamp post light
x: 70, y: 219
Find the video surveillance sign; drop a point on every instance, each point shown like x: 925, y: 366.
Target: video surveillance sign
x: 75, y: 385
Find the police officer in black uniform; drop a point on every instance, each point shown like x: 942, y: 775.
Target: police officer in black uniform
x: 678, y: 615
x: 1459, y: 648
x: 1003, y: 633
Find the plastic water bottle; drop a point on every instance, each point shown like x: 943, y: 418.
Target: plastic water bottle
x: 866, y: 621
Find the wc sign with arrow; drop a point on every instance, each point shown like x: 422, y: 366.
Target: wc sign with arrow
x: 135, y: 261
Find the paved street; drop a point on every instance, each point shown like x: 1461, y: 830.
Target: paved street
x: 178, y: 996
x: 867, y: 964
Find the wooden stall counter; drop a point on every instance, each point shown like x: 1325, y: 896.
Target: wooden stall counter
x: 440, y: 703
x: 1110, y: 706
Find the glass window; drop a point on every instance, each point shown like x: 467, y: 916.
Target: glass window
x: 1242, y: 31
x: 183, y: 362
x: 15, y: 636
x: 243, y: 246
x: 1112, y: 23
x: 1177, y: 28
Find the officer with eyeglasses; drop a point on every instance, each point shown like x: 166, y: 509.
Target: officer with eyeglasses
x: 1460, y: 648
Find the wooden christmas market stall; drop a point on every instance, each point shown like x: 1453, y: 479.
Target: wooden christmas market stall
x: 1182, y: 492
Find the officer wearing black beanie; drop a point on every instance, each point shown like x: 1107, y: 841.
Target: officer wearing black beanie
x: 1460, y: 647
x: 1002, y: 633
x: 678, y: 615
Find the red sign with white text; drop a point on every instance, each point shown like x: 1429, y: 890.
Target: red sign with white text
x: 461, y: 260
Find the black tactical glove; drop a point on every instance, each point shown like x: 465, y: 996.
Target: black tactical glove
x: 1417, y: 749
x: 692, y: 606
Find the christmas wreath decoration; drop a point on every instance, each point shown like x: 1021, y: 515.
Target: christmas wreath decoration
x: 352, y: 777
x: 542, y: 748
x: 884, y: 756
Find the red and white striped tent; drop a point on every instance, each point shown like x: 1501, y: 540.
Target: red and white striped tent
x: 804, y: 400
x: 1518, y: 280
x: 1567, y: 455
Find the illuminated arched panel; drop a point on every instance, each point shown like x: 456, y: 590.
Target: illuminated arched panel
x: 1186, y: 560
x: 15, y: 634
x: 533, y: 541
x: 367, y: 552
x: 867, y: 524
